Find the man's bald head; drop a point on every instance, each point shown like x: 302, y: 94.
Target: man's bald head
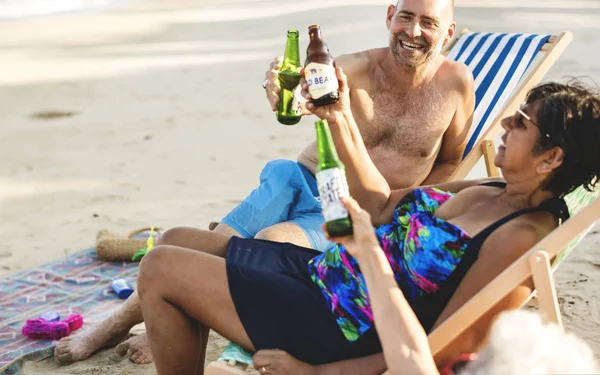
x: 419, y: 29
x: 447, y: 11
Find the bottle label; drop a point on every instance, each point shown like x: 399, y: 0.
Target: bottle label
x: 321, y: 79
x: 332, y: 186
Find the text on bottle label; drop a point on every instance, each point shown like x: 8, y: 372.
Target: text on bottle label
x: 332, y: 186
x: 321, y: 79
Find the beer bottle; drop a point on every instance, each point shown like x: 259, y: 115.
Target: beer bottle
x: 332, y: 184
x: 319, y: 71
x: 288, y: 108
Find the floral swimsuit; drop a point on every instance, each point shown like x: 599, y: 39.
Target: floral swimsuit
x: 422, y: 249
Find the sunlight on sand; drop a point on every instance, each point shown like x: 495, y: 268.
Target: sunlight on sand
x: 74, y: 70
x: 11, y: 189
x: 34, y: 8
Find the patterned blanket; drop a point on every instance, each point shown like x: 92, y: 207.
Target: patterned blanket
x: 79, y: 283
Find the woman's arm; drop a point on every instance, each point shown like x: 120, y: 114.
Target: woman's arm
x: 404, y: 342
x: 405, y: 346
x: 385, y: 216
x: 367, y: 184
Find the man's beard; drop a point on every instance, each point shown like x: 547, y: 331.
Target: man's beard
x: 426, y: 53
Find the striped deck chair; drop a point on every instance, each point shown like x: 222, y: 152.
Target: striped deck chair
x: 584, y: 208
x: 505, y: 67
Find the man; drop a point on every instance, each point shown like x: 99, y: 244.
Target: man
x: 413, y: 108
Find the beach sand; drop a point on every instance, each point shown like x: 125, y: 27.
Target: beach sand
x: 152, y: 113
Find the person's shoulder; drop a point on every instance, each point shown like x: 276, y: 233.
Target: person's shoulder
x: 359, y: 62
x: 522, y: 233
x: 457, y: 76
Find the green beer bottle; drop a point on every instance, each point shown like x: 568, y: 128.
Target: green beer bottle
x: 332, y: 184
x: 289, y: 111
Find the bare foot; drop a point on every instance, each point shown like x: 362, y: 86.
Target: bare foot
x: 137, y: 349
x: 81, y: 345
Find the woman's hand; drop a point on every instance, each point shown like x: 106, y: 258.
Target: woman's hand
x: 363, y: 240
x: 278, y: 362
x: 333, y: 113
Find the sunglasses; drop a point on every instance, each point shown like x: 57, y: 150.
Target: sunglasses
x: 528, y: 118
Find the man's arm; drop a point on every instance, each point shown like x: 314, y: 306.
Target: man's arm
x: 456, y: 136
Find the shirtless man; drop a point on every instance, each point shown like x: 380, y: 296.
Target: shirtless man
x: 413, y: 108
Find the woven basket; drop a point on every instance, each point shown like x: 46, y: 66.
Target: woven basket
x: 112, y: 246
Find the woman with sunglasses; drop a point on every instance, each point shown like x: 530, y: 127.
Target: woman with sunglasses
x: 431, y: 248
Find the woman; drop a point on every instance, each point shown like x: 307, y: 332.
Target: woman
x: 442, y: 248
x: 519, y: 342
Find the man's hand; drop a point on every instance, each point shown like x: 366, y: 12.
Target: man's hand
x: 278, y: 362
x: 271, y: 83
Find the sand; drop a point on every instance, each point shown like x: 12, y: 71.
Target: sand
x: 152, y: 113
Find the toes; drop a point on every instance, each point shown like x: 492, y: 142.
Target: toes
x: 62, y: 347
x: 142, y: 360
x: 122, y: 348
x: 64, y: 359
x: 134, y: 355
x: 59, y: 350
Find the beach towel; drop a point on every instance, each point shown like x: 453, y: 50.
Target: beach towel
x: 79, y: 283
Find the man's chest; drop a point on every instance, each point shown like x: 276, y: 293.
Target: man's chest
x: 409, y: 122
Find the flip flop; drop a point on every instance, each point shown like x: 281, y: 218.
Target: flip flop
x: 75, y: 321
x: 41, y: 329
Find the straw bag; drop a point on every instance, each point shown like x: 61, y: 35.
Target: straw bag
x: 112, y: 246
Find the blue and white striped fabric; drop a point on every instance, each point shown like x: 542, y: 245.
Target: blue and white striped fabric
x: 498, y: 62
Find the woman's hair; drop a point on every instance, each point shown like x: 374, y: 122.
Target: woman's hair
x: 520, y: 343
x: 569, y: 117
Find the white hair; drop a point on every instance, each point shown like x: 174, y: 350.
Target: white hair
x: 520, y: 343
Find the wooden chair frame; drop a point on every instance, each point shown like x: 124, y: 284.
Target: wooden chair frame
x: 536, y: 264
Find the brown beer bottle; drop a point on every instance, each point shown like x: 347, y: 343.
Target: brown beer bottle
x: 319, y: 71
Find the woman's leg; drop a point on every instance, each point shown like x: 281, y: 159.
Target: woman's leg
x: 115, y: 328
x: 184, y: 293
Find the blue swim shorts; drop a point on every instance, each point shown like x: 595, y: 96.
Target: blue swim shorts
x: 287, y: 193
